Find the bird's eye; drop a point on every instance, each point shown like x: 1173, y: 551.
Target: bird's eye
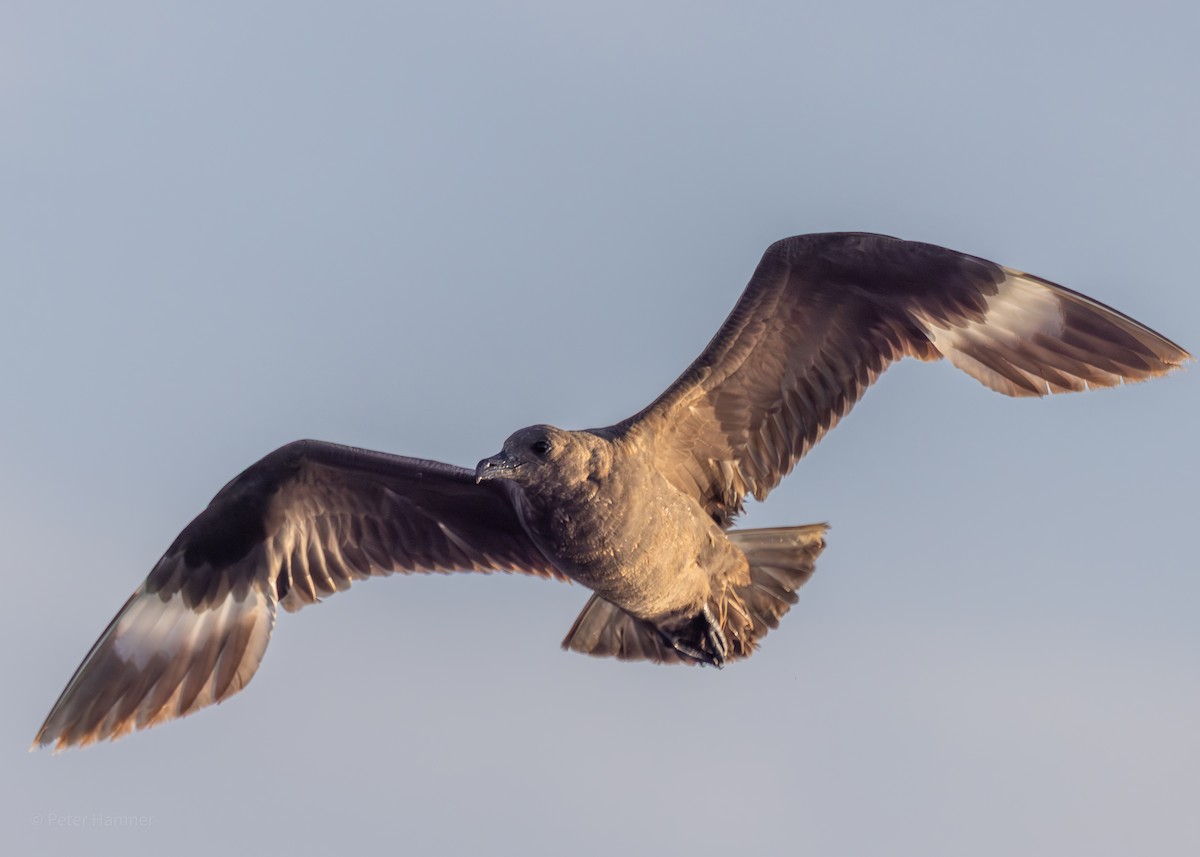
x: 540, y: 447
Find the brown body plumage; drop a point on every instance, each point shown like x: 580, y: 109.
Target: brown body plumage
x: 639, y: 512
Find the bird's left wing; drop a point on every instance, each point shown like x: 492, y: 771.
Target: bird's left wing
x: 302, y: 523
x: 824, y: 315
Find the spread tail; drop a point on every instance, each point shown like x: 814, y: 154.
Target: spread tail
x: 781, y: 560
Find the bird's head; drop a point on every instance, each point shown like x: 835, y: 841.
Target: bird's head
x: 545, y: 455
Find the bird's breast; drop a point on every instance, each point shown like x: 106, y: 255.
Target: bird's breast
x: 636, y: 543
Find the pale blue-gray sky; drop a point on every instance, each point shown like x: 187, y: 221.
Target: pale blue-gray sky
x: 230, y: 225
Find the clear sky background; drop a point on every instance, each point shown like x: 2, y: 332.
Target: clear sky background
x: 226, y: 226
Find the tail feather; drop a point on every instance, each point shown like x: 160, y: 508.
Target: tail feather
x: 604, y: 630
x: 781, y: 560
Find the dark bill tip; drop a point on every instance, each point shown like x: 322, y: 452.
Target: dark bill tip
x: 498, y: 466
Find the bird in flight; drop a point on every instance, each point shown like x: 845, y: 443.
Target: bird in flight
x: 640, y: 512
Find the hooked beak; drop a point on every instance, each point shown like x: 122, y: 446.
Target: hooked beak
x: 499, y: 466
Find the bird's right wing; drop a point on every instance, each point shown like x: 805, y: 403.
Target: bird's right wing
x: 302, y: 523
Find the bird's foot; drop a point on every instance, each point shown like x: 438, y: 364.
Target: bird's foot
x: 702, y: 639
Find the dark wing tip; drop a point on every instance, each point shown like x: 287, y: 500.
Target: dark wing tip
x: 158, y: 660
x: 1038, y: 338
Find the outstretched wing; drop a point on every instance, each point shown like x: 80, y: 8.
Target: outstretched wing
x: 302, y: 523
x: 824, y: 315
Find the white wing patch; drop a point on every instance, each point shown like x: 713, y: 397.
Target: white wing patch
x: 151, y: 626
x: 161, y: 659
x: 1037, y: 338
